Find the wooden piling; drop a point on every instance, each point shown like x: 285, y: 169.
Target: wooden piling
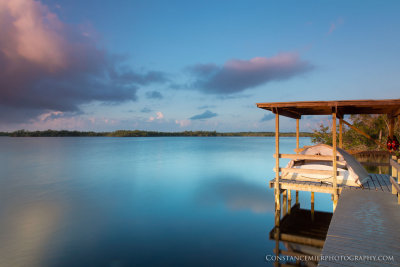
x: 284, y: 203
x: 394, y: 175
x: 334, y: 165
x: 277, y: 187
x: 340, y: 133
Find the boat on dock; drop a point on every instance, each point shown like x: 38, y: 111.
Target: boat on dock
x: 350, y: 171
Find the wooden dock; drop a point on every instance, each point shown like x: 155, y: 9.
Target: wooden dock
x: 366, y: 219
x: 377, y: 182
x: 365, y: 223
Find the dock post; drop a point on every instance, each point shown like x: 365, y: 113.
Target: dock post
x: 340, y: 133
x: 334, y: 167
x: 277, y: 187
x: 398, y: 181
x: 289, y: 200
x: 297, y: 196
x: 394, y: 175
x: 284, y: 202
x: 312, y: 206
x: 297, y: 135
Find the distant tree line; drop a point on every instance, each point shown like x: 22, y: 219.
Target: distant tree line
x: 139, y: 133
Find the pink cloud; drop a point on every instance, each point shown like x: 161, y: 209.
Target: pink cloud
x: 47, y: 65
x: 159, y: 116
x: 34, y: 35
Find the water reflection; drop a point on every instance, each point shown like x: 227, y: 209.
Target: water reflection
x: 136, y: 202
x: 299, y: 238
x: 28, y: 234
x: 237, y: 194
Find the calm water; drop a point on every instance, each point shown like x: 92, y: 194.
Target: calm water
x: 138, y: 201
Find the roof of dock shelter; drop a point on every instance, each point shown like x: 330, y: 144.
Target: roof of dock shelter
x: 342, y: 107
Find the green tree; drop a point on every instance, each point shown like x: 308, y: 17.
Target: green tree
x: 376, y: 126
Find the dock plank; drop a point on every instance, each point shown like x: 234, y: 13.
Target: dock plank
x: 365, y: 223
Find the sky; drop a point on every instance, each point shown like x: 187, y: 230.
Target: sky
x: 189, y: 65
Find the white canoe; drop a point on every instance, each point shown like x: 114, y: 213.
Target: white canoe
x: 351, y: 172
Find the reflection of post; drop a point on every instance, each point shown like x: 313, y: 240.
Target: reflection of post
x: 312, y: 206
x: 289, y: 200
x: 284, y: 202
x: 277, y: 233
x: 277, y: 187
x: 335, y: 192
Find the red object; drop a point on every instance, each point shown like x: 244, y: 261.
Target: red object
x: 389, y: 143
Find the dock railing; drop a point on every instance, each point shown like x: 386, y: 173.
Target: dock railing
x: 394, y: 178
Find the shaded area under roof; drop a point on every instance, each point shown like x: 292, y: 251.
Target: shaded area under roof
x: 341, y: 107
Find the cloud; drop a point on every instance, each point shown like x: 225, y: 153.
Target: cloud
x: 183, y: 123
x: 154, y: 95
x: 238, y: 75
x: 335, y: 25
x: 159, y: 116
x: 206, y: 106
x: 205, y: 115
x: 146, y: 110
x: 49, y: 66
x: 267, y: 117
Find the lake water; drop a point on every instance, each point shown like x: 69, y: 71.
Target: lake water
x: 164, y: 201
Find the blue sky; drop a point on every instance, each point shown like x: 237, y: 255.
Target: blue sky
x: 186, y: 65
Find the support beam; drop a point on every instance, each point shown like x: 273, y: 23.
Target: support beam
x: 277, y: 188
x: 396, y: 113
x: 297, y: 135
x: 287, y: 113
x: 395, y: 189
x: 289, y: 200
x: 334, y: 164
x: 364, y: 134
x: 339, y: 114
x: 341, y: 133
x: 308, y: 171
x: 284, y: 203
x: 297, y: 197
x: 309, y: 157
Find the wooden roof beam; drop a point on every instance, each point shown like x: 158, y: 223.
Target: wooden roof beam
x: 287, y: 113
x: 339, y: 113
x: 395, y: 113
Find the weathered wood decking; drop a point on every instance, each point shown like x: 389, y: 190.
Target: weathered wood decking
x: 365, y: 223
x: 378, y: 182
